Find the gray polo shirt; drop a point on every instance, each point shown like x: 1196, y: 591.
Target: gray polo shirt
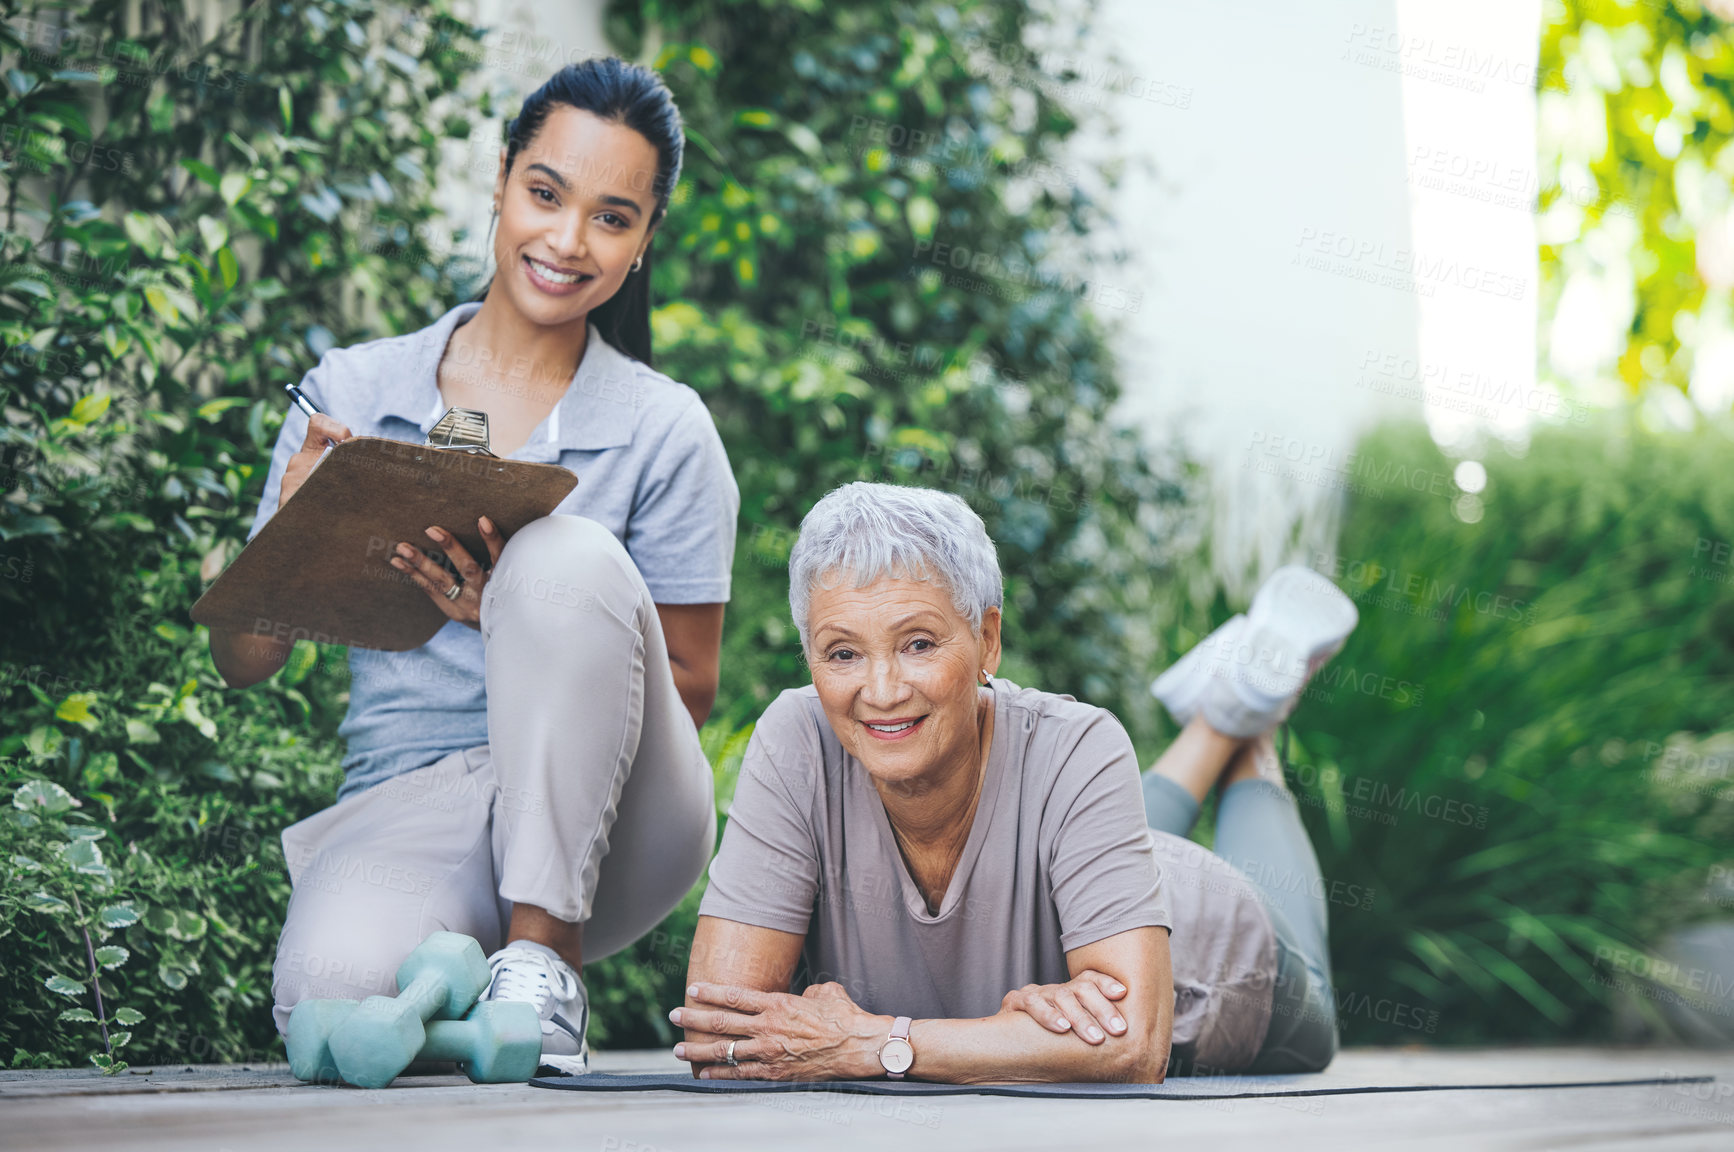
x: 1058, y: 856
x: 651, y: 469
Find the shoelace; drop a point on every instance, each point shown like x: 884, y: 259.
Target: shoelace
x: 520, y: 974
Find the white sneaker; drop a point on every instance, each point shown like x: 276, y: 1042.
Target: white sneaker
x: 1247, y: 676
x: 1182, y: 687
x: 1298, y: 620
x: 534, y: 974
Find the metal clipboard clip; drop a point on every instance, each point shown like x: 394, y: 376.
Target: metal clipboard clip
x: 461, y: 430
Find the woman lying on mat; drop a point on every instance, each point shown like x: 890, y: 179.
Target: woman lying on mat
x: 958, y: 875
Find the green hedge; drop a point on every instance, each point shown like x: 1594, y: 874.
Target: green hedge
x: 1488, y: 757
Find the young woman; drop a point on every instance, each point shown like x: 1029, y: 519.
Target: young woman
x: 531, y: 776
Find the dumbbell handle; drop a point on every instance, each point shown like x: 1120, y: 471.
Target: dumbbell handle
x: 429, y: 994
x: 447, y: 1040
x: 510, y: 1063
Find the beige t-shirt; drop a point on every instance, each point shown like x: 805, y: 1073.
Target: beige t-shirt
x: 1058, y: 856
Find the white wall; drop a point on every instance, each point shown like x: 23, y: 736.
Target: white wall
x: 1293, y: 291
x: 527, y: 42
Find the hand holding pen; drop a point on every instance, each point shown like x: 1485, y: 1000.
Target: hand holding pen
x: 460, y: 598
x: 322, y: 433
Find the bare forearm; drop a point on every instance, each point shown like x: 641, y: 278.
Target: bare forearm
x: 697, y: 690
x: 244, y: 659
x: 1013, y: 1047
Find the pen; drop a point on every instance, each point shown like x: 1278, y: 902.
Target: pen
x: 301, y: 400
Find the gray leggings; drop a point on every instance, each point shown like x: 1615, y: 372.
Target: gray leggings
x: 1259, y: 831
x: 591, y: 800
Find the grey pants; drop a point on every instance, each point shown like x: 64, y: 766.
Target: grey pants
x: 592, y: 798
x: 1259, y: 831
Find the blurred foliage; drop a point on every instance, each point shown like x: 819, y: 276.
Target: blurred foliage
x: 873, y: 230
x: 191, y: 223
x: 181, y: 239
x: 1636, y: 139
x: 1489, y: 754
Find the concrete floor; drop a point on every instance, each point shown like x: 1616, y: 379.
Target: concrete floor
x: 260, y: 1109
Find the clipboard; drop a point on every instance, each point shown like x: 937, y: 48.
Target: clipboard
x: 320, y: 569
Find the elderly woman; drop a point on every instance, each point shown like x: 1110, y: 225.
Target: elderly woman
x: 956, y: 874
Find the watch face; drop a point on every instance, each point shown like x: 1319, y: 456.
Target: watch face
x: 896, y: 1055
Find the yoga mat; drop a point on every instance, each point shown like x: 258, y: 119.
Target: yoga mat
x: 1180, y: 1088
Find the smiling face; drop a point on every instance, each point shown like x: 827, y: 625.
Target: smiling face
x: 575, y: 212
x: 897, y: 670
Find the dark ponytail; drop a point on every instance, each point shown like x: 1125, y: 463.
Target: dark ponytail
x: 632, y: 95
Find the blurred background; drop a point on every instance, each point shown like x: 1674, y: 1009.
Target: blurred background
x: 1434, y: 298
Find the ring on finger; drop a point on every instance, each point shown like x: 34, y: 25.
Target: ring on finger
x: 730, y: 1054
x: 455, y: 590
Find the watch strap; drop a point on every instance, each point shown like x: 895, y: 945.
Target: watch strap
x: 899, y: 1031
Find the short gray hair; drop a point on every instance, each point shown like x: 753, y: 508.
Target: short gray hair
x: 868, y: 531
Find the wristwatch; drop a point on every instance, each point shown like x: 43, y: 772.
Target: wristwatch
x: 897, y: 1054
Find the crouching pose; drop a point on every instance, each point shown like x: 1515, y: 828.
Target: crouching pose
x: 931, y: 872
x: 532, y: 775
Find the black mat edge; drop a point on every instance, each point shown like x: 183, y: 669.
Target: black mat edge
x: 611, y: 1082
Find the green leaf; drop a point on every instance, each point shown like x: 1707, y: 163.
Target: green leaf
x: 214, y: 232
x: 234, y: 186
x: 43, y: 902
x: 85, y: 857
x: 211, y: 410
x: 200, y: 169
x: 142, y: 232
x: 173, y: 978
x: 43, y: 796
x: 116, y: 1039
x: 44, y: 743
x: 63, y: 986
x: 112, y: 955
x: 129, y: 1017
x: 25, y: 863
x: 161, y: 304
x: 75, y: 709
x: 284, y: 107
x: 77, y: 1016
x: 303, y: 658
x: 116, y: 341
x: 141, y: 731
x: 109, y: 1065
x: 103, y: 768
x: 228, y: 268
x: 118, y: 916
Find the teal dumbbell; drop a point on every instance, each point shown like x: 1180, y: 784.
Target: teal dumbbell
x: 499, y: 1042
x: 311, y: 1023
x: 440, y: 980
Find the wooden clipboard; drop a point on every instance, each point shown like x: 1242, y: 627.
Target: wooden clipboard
x: 320, y: 569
